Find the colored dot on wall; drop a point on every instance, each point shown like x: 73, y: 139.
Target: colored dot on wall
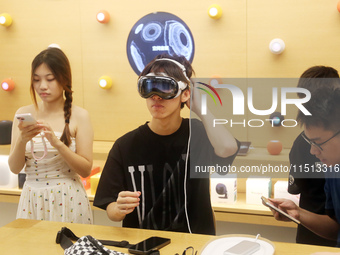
x: 7, y: 84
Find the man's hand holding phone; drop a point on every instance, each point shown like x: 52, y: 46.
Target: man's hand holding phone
x: 290, y: 209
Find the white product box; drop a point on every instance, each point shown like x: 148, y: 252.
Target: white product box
x: 281, y: 191
x: 223, y: 189
x: 257, y: 187
x: 8, y: 180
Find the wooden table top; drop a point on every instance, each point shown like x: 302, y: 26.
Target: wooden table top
x: 38, y: 237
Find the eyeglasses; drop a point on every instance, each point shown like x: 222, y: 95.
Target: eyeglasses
x: 318, y: 145
x: 189, y: 251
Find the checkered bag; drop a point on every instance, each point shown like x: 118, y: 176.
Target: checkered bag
x: 87, y: 245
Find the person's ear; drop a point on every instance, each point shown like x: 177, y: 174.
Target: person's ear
x: 185, y: 96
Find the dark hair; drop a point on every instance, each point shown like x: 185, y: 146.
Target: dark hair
x: 325, y: 109
x: 58, y: 63
x: 170, y: 68
x: 309, y: 78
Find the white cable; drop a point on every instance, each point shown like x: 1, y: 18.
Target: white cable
x: 131, y: 170
x: 142, y: 170
x: 186, y: 173
x: 45, y: 147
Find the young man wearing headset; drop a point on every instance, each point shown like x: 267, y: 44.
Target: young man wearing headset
x: 146, y: 179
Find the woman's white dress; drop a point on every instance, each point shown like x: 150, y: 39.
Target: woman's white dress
x: 52, y: 191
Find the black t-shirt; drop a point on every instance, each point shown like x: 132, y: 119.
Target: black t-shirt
x: 312, y: 194
x: 144, y: 161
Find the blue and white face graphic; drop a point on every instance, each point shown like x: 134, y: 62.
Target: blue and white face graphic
x: 157, y: 33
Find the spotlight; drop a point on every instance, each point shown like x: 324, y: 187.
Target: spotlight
x: 277, y: 46
x: 215, y: 11
x: 103, y: 17
x: 5, y: 19
x: 54, y: 45
x: 7, y: 84
x: 215, y: 80
x: 105, y: 82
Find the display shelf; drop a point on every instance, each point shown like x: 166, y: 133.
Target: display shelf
x: 5, y: 149
x: 258, y: 154
x: 242, y: 212
x: 10, y: 195
x: 239, y: 212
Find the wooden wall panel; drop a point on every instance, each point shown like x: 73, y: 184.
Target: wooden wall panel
x: 310, y: 30
x: 37, y: 24
x: 220, y: 45
x: 236, y: 46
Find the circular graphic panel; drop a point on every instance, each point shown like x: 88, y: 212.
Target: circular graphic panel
x: 157, y: 33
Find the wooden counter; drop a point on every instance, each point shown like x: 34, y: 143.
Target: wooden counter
x: 38, y: 237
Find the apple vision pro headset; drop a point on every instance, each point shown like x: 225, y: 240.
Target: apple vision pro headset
x: 162, y: 85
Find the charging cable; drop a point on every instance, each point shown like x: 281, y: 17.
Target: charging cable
x: 131, y: 170
x: 45, y: 147
x: 186, y: 173
x: 185, y: 179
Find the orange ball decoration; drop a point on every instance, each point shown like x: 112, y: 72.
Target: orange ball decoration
x: 274, y: 147
x: 338, y: 6
x: 7, y: 84
x: 103, y: 16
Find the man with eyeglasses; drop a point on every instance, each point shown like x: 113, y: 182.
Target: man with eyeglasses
x: 311, y: 190
x: 321, y: 131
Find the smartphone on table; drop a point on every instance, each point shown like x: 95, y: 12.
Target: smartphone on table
x: 266, y: 202
x: 149, y: 245
x: 26, y: 118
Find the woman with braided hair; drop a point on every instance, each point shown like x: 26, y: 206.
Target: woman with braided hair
x: 56, y: 149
